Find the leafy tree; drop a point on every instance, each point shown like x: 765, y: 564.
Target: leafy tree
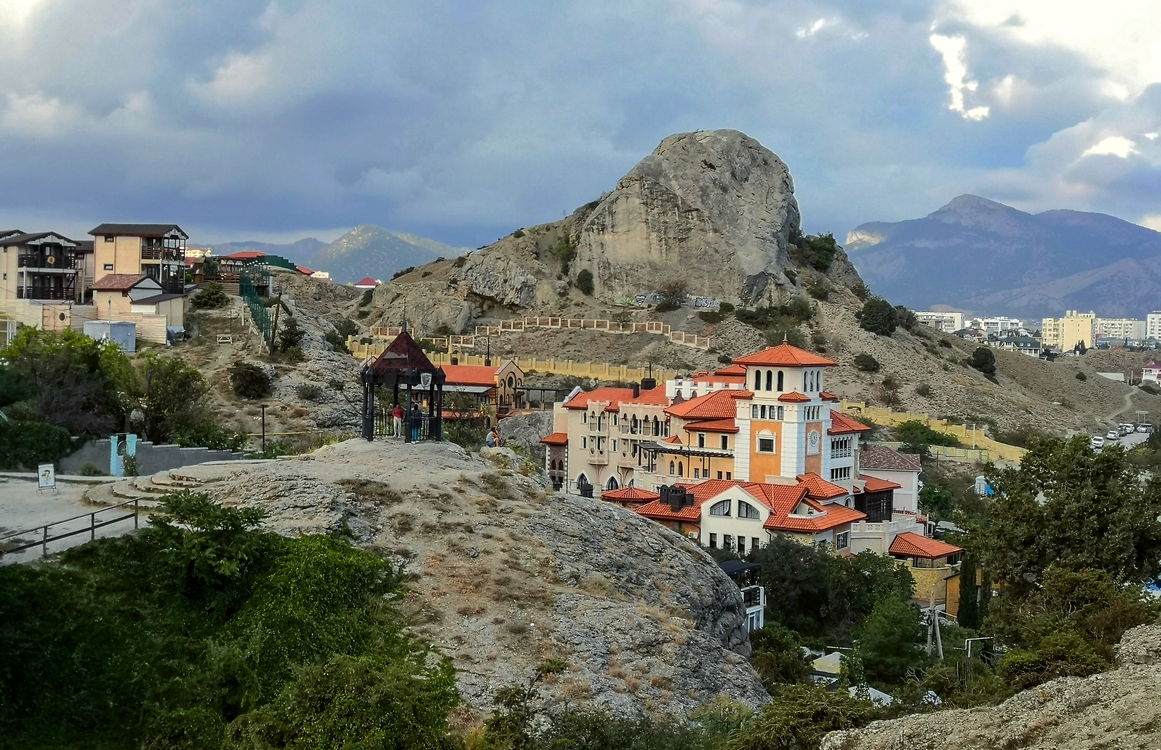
x: 891, y: 641
x: 465, y: 423
x: 25, y: 445
x: 15, y: 385
x: 173, y: 397
x: 984, y: 360
x: 1068, y: 506
x: 878, y: 317
x: 800, y: 575
x: 917, y: 435
x: 866, y: 362
x: 777, y: 656
x: 800, y: 716
x: 969, y: 592
x: 210, y: 297
x: 936, y: 501
x: 594, y: 729
x: 906, y: 318
x: 511, y: 726
x: 80, y: 384
x: 584, y: 282
x: 672, y: 295
x: 1062, y: 654
x: 857, y: 584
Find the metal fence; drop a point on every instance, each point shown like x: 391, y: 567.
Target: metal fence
x: 42, y: 537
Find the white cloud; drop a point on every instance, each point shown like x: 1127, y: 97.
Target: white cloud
x: 1152, y: 222
x: 1113, y: 145
x: 955, y: 74
x: 37, y: 116
x: 814, y: 28
x: 16, y: 12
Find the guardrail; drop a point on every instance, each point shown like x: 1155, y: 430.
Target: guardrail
x: 91, y: 529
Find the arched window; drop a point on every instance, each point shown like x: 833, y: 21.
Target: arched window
x: 582, y: 480
x: 511, y: 381
x: 805, y: 387
x: 766, y: 443
x: 757, y: 380
x: 611, y: 484
x: 762, y: 411
x: 680, y: 469
x: 745, y: 510
x: 720, y: 509
x: 781, y: 381
x: 769, y: 380
x: 671, y: 466
x: 753, y: 411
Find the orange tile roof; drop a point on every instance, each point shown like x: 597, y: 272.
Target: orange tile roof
x: 828, y: 396
x: 874, y: 484
x: 556, y: 438
x: 630, y: 495
x: 672, y: 440
x: 910, y: 544
x: 841, y: 424
x: 117, y: 282
x: 713, y: 425
x: 652, y: 397
x: 617, y: 396
x: 820, y: 489
x: 470, y: 374
x: 828, y: 516
x: 734, y: 369
x: 785, y: 355
x: 716, y: 405
x: 794, y: 397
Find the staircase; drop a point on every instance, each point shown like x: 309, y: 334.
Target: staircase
x: 147, y: 490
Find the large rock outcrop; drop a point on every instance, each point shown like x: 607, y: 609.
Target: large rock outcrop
x: 1117, y: 709
x: 505, y: 575
x: 714, y: 208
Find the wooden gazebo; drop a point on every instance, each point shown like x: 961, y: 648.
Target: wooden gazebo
x: 406, y: 370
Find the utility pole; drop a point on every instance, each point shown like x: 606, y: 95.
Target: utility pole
x: 263, y: 407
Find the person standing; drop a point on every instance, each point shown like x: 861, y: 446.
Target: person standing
x: 397, y: 416
x: 416, y: 418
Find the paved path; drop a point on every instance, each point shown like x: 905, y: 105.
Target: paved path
x: 22, y: 507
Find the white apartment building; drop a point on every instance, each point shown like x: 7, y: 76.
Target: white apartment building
x: 1153, y: 325
x: 948, y: 322
x: 998, y: 326
x: 1119, y: 328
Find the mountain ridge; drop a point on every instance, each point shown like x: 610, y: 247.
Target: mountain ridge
x: 977, y: 254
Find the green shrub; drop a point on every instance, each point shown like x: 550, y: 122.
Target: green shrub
x: 709, y: 316
x: 984, y: 360
x: 725, y: 359
x: 1081, y: 376
x: 923, y: 389
x: 309, y: 392
x: 861, y: 290
x: 337, y: 342
x: 907, y: 319
x: 211, y: 297
x: 90, y: 469
x: 820, y: 250
x: 210, y: 435
x: 915, y: 432
x: 26, y: 445
x: 335, y: 384
x: 290, y: 334
x: 362, y: 314
x: 402, y: 272
x: 945, y: 343
x: 878, y: 317
x: 891, y: 641
x: 367, y: 295
x: 819, y: 289
x: 799, y: 717
x: 725, y: 308
x: 1062, y: 654
x: 250, y: 381
x: 584, y: 282
x: 866, y: 363
x: 460, y: 261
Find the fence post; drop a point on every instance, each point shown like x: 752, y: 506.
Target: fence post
x: 44, y: 541
x: 92, y: 526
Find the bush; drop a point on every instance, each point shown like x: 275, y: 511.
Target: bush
x: 914, y: 432
x: 460, y: 261
x: 1062, y: 654
x: 819, y: 289
x: 1081, y: 376
x: 866, y: 363
x: 945, y: 343
x: 906, y: 318
x: 878, y: 317
x: 1150, y: 388
x: 367, y: 295
x: 402, y: 272
x: 26, y: 445
x: 250, y: 381
x: 984, y: 360
x: 337, y: 342
x: 861, y: 290
x: 564, y: 251
x: 290, y: 335
x: 210, y: 435
x: 362, y: 314
x: 800, y: 716
x: 672, y: 295
x: 923, y: 389
x: 820, y: 250
x: 309, y: 392
x: 709, y: 316
x: 777, y: 656
x: 211, y: 297
x: 725, y: 308
x: 90, y: 469
x: 335, y: 384
x: 584, y: 282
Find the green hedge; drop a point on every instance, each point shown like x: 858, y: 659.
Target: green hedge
x: 24, y: 445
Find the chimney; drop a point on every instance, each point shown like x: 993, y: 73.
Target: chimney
x: 636, y: 390
x: 648, y: 383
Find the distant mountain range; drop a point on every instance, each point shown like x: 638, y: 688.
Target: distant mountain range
x: 366, y: 250
x: 979, y: 255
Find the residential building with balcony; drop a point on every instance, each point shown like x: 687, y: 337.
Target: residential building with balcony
x: 1120, y: 329
x: 1066, y: 333
x: 153, y: 250
x: 1153, y: 326
x: 42, y: 266
x: 948, y: 322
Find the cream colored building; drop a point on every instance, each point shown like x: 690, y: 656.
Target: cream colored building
x: 948, y: 322
x: 154, y: 250
x: 1153, y: 325
x: 1065, y: 333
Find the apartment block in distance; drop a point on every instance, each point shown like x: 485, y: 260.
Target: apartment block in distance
x: 1065, y: 333
x: 1120, y: 329
x: 153, y: 250
x: 948, y: 322
x: 1153, y: 325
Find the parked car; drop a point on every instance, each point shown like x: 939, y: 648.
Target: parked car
x: 1112, y: 435
x: 1145, y: 427
x: 1125, y: 428
x: 1098, y: 442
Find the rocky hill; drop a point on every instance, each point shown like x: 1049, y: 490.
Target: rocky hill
x: 976, y: 254
x: 505, y: 575
x: 368, y: 250
x: 1116, y: 709
x: 299, y: 251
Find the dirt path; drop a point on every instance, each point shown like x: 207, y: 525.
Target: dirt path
x: 1127, y: 405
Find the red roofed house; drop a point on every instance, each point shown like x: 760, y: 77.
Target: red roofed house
x: 366, y: 283
x: 499, y: 387
x: 932, y: 564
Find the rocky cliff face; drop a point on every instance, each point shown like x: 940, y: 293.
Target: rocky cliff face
x: 713, y: 208
x: 505, y: 575
x: 1117, y: 709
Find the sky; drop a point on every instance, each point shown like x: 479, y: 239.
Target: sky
x: 462, y: 120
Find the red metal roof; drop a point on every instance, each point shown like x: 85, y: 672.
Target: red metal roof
x: 841, y: 424
x: 367, y: 282
x: 794, y: 397
x: 785, y: 355
x: 245, y: 255
x: 617, y: 396
x: 874, y: 484
x: 117, y: 282
x: 716, y: 405
x: 556, y: 438
x: 910, y: 544
x: 401, y: 354
x: 713, y: 425
x: 828, y: 396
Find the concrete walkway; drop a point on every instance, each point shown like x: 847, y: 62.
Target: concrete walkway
x: 23, y: 508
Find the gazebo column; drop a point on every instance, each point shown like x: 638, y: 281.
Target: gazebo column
x: 437, y: 431
x: 368, y: 408
x: 409, y: 421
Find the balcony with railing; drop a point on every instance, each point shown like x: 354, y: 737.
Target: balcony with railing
x: 47, y: 262
x: 162, y: 252
x: 48, y: 293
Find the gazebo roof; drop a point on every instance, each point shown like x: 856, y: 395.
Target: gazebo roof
x: 403, y: 354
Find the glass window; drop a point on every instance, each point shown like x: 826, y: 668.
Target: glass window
x: 701, y: 440
x: 753, y: 411
x: 765, y: 445
x: 720, y: 508
x: 671, y: 465
x: 719, y: 475
x: 727, y: 475
x: 843, y: 540
x: 741, y: 545
x: 725, y: 442
x: 697, y: 473
x: 755, y: 543
x: 728, y: 541
x: 713, y: 541
x: 769, y: 380
x: 745, y: 510
x: 757, y: 380
x: 781, y: 381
